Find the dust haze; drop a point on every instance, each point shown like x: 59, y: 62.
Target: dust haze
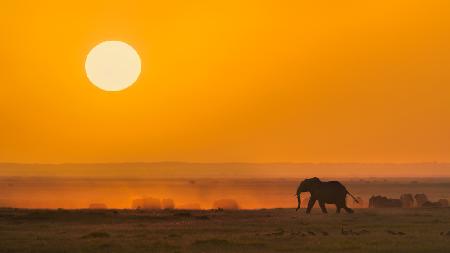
x: 76, y: 186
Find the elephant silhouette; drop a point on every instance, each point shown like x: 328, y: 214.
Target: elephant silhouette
x: 332, y: 192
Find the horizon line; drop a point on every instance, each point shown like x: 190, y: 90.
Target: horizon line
x: 253, y: 163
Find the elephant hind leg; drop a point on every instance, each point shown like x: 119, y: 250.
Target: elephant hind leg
x: 349, y: 210
x: 340, y: 204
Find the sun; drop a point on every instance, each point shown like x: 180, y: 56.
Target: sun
x: 113, y: 65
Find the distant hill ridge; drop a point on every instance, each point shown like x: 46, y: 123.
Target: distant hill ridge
x: 233, y: 170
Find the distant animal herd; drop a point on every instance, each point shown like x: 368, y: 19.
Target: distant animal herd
x: 323, y: 192
x: 406, y: 201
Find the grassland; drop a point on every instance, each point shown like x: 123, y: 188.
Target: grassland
x: 271, y: 230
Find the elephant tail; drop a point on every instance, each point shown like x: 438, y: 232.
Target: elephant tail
x: 356, y: 200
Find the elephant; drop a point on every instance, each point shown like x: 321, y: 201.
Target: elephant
x: 332, y: 192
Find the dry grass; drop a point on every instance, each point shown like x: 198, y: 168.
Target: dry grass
x: 272, y: 230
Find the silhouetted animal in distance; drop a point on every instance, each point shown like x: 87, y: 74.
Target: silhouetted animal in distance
x: 431, y: 204
x: 407, y: 200
x: 444, y: 202
x: 420, y: 199
x: 332, y: 192
x: 383, y: 202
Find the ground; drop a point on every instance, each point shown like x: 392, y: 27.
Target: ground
x: 271, y: 230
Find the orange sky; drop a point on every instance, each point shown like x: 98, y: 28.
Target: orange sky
x: 250, y: 81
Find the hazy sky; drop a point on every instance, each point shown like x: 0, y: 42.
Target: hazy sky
x: 259, y: 81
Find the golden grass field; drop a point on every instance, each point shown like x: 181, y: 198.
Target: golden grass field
x: 266, y: 230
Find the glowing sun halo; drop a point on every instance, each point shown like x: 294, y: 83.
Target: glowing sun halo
x: 113, y: 65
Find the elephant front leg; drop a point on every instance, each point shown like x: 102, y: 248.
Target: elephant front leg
x: 322, y: 206
x: 310, y: 205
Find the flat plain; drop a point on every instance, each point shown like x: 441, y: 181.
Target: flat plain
x: 265, y: 230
